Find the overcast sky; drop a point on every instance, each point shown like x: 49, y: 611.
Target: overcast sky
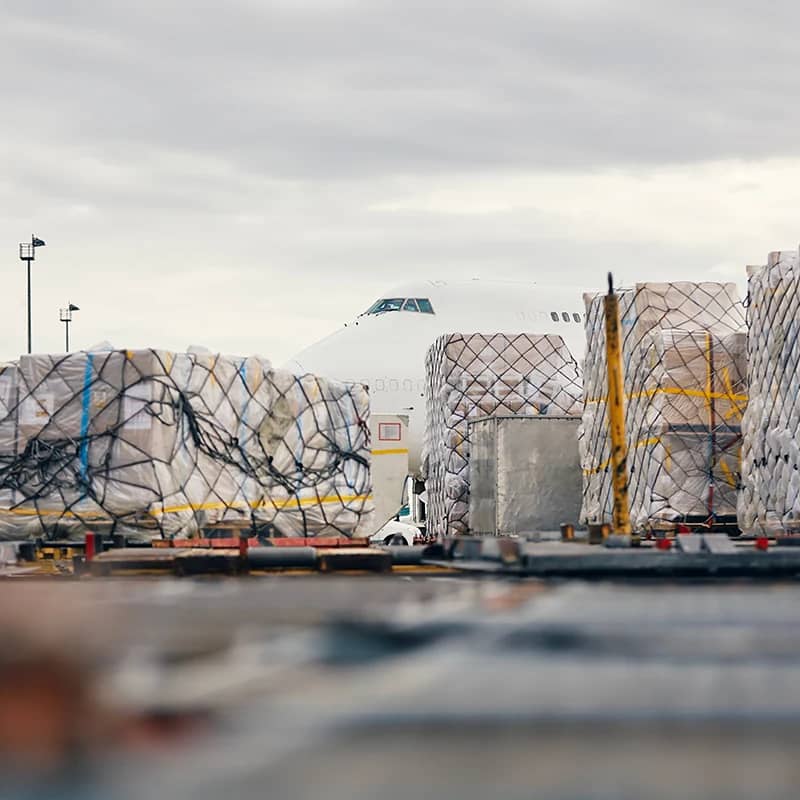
x: 248, y: 175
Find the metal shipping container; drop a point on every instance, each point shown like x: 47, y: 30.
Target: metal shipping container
x: 525, y: 474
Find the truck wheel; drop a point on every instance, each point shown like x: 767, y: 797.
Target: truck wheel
x: 395, y: 541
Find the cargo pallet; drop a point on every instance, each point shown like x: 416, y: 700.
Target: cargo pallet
x: 215, y: 554
x: 698, y: 524
x: 580, y: 555
x: 710, y: 555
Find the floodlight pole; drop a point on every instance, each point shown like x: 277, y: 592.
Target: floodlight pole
x: 30, y: 338
x: 65, y: 315
x: 27, y: 252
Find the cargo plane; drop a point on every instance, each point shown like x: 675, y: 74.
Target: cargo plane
x: 385, y: 346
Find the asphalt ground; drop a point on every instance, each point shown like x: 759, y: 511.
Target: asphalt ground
x: 399, y: 686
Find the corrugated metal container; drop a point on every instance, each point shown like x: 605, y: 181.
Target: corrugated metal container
x: 525, y: 474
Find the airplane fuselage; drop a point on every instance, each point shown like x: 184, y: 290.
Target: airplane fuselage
x: 385, y: 347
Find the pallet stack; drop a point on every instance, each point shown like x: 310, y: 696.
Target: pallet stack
x: 470, y: 376
x: 770, y: 497
x: 684, y: 364
x: 164, y: 444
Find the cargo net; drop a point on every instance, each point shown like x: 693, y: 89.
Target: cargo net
x: 470, y: 376
x: 684, y: 366
x: 148, y: 444
x: 770, y: 497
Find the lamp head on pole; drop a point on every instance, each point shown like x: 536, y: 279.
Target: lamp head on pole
x: 27, y: 252
x: 65, y: 314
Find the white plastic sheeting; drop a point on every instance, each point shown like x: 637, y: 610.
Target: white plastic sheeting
x: 684, y: 364
x: 477, y: 375
x: 770, y: 497
x: 163, y: 444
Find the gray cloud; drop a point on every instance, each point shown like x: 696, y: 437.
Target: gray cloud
x: 373, y: 88
x: 224, y: 173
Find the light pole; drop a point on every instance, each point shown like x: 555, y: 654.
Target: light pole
x: 27, y: 252
x: 65, y: 315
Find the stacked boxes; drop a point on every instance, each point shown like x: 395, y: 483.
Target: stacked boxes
x: 770, y: 497
x: 8, y: 428
x: 688, y: 394
x: 99, y: 435
x: 305, y: 442
x: 684, y: 364
x: 476, y: 375
x: 156, y: 443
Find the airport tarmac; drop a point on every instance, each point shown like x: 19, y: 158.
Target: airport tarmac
x: 419, y: 686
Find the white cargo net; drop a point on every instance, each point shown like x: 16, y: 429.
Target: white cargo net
x: 158, y: 444
x: 770, y: 498
x: 684, y: 365
x: 476, y: 375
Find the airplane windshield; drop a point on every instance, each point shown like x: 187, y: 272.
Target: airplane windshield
x: 389, y: 304
x: 414, y: 304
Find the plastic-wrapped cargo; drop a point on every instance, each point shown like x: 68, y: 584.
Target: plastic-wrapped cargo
x: 684, y: 366
x: 8, y: 428
x: 154, y: 443
x: 98, y: 436
x: 770, y: 498
x: 305, y: 453
x: 477, y: 375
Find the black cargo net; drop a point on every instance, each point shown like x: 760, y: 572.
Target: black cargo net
x: 770, y: 498
x: 156, y: 444
x: 470, y: 376
x: 684, y: 365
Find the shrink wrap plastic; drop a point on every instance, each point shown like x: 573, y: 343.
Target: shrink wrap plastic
x: 684, y: 366
x: 153, y: 443
x: 770, y: 497
x: 477, y: 375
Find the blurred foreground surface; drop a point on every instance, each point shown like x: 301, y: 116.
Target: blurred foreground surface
x: 297, y: 687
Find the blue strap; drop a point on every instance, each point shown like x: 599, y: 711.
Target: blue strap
x: 243, y: 421
x: 85, y: 409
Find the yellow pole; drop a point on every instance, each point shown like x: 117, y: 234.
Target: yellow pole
x: 616, y: 412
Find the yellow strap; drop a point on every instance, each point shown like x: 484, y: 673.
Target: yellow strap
x: 602, y: 467
x: 727, y: 472
x: 709, y: 378
x: 277, y: 504
x: 289, y: 502
x: 734, y: 398
x: 32, y: 512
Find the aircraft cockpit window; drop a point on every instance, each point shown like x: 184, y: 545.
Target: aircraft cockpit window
x: 388, y: 304
x: 415, y: 304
